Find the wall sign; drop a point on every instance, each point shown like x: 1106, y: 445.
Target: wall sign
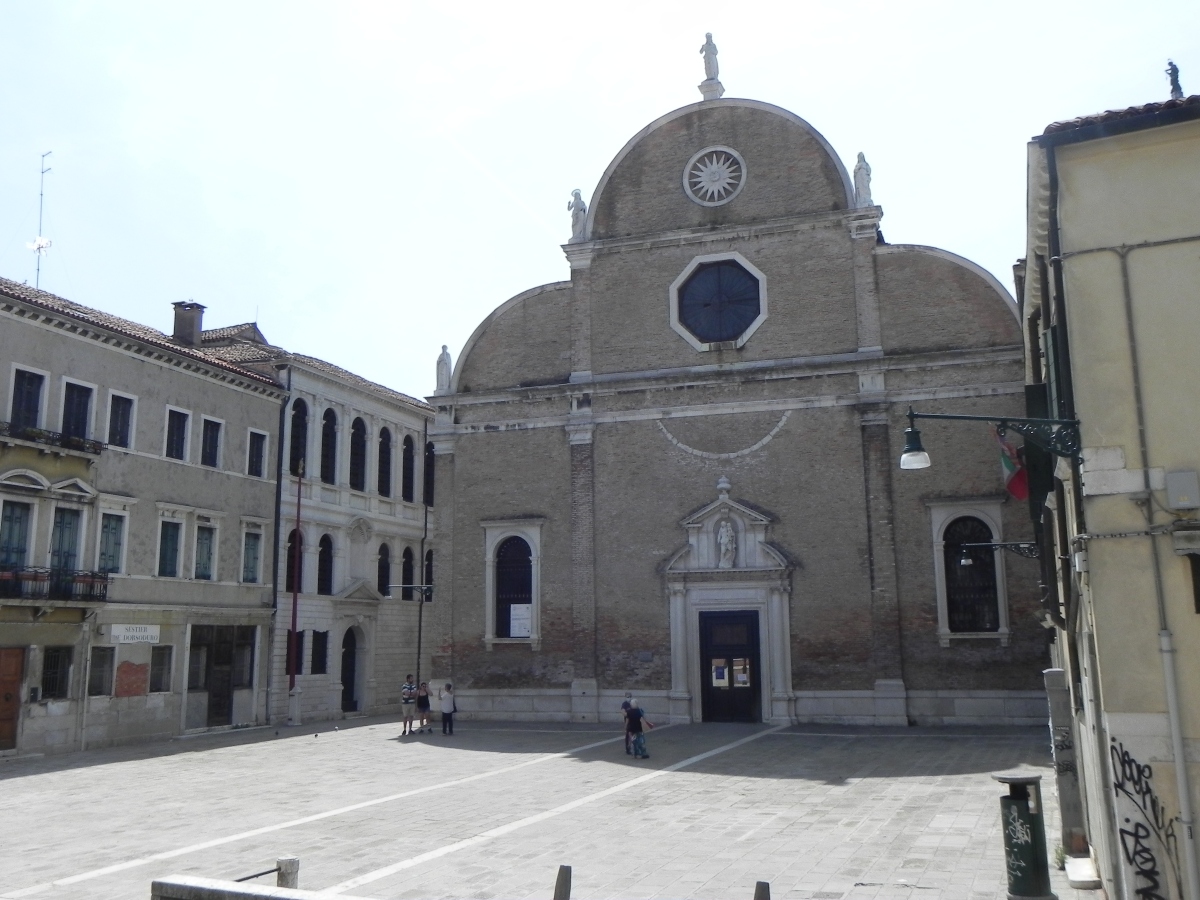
x: 134, y: 634
x: 520, y: 620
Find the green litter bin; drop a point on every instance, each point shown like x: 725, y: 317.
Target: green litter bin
x: 1023, y: 824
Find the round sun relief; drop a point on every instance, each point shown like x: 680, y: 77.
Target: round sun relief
x: 714, y: 176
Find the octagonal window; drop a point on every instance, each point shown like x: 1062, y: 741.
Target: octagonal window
x: 719, y: 301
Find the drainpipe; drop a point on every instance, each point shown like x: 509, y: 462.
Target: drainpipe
x: 275, y: 531
x: 1166, y: 645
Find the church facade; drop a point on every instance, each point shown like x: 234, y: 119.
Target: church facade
x: 676, y: 472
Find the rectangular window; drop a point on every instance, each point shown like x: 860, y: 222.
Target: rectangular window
x: 243, y: 656
x: 56, y: 673
x: 299, y: 635
x: 120, y: 420
x: 64, y: 540
x: 101, y: 674
x: 168, y: 549
x: 256, y: 460
x: 320, y: 652
x: 77, y: 408
x: 206, y: 539
x: 160, y: 669
x: 112, y: 538
x: 210, y: 444
x: 250, y: 554
x: 14, y: 535
x: 177, y: 423
x: 27, y: 399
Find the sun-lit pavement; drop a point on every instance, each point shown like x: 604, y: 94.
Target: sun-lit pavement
x: 817, y: 811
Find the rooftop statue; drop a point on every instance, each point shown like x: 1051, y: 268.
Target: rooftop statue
x: 1173, y: 76
x: 443, y: 371
x: 862, y: 183
x: 578, y: 210
x: 709, y: 52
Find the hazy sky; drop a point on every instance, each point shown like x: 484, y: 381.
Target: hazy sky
x: 369, y: 180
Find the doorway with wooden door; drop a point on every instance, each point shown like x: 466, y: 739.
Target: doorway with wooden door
x: 12, y: 669
x: 731, y: 687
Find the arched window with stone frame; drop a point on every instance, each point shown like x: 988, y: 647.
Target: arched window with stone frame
x: 969, y: 570
x: 329, y: 447
x: 383, y: 571
x: 406, y: 574
x: 430, y: 463
x: 408, y: 468
x: 428, y: 579
x: 358, y: 455
x: 294, y: 574
x: 384, y: 481
x: 325, y: 565
x: 298, y: 448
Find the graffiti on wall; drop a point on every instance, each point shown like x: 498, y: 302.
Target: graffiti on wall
x: 1149, y: 845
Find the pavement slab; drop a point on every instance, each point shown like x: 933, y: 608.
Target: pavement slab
x: 492, y: 811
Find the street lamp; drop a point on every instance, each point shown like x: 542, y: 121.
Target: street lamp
x: 425, y: 591
x: 1058, y: 436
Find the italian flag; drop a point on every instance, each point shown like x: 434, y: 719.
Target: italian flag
x: 1012, y: 469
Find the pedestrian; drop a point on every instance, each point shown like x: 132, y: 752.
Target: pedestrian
x: 423, y: 707
x: 625, y: 704
x: 408, y: 696
x: 449, y: 708
x: 634, y: 718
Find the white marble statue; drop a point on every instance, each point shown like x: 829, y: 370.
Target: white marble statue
x: 709, y: 52
x: 578, y: 210
x: 862, y: 183
x: 443, y: 371
x: 727, y: 545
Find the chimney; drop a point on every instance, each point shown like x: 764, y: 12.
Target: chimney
x: 189, y: 318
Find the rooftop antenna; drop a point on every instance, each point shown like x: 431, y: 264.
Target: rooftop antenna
x: 40, y: 244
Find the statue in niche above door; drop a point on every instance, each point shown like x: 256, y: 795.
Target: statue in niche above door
x: 726, y: 545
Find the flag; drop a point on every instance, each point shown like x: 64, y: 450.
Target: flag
x: 1012, y: 468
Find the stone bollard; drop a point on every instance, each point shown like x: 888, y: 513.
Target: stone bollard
x: 1022, y: 821
x: 562, y: 886
x: 762, y: 890
x: 289, y: 872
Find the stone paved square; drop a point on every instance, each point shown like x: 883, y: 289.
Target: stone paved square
x: 492, y: 811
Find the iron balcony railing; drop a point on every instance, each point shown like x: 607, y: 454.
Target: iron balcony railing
x: 53, y: 584
x: 53, y: 438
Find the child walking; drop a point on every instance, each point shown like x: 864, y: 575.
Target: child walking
x: 634, y: 718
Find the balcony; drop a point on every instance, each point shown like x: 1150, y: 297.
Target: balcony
x: 53, y: 584
x: 50, y: 438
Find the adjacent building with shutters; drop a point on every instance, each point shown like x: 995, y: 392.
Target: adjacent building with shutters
x: 137, y: 500
x: 676, y: 472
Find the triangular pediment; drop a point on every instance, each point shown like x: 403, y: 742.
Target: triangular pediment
x: 75, y: 486
x: 727, y: 535
x: 725, y: 506
x: 361, y: 589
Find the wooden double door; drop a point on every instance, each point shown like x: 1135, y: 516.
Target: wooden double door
x: 729, y: 667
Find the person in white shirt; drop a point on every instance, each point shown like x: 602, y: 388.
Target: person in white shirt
x: 449, y: 708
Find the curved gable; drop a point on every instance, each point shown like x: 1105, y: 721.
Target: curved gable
x: 525, y: 340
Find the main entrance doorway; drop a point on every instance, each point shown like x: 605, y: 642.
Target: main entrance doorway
x: 349, y: 666
x: 729, y: 667
x: 12, y: 662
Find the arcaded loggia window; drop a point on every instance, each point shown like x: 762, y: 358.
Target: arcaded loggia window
x: 409, y: 470
x: 971, y: 595
x: 384, y: 570
x: 406, y: 574
x: 294, y: 575
x: 429, y: 466
x: 358, y: 455
x: 299, y: 436
x: 384, y: 483
x: 514, y: 588
x: 325, y: 565
x: 329, y: 447
x: 428, y: 569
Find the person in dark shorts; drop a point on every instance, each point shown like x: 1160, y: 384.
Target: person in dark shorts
x: 634, y: 719
x: 423, y: 707
x: 625, y: 704
x: 408, y: 701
